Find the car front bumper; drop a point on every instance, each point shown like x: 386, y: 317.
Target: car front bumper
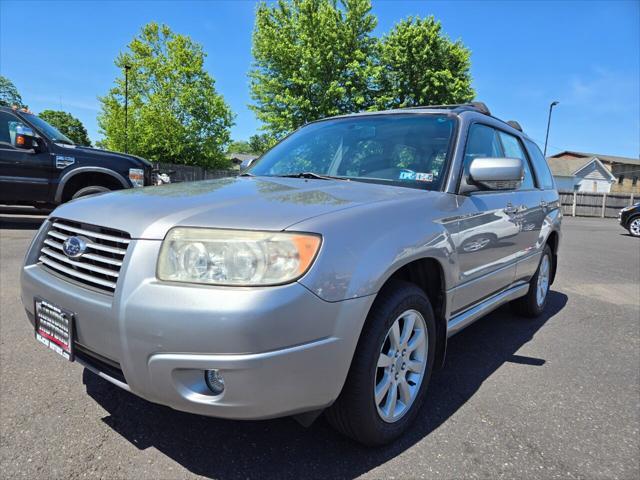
x: 281, y: 350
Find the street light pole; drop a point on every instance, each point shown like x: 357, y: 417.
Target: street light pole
x: 546, y: 139
x: 126, y: 107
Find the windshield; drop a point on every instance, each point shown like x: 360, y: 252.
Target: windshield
x: 398, y: 149
x: 49, y: 131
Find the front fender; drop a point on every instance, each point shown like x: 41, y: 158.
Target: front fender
x: 79, y: 170
x: 362, y: 247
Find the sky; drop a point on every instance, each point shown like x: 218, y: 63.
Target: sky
x: 525, y: 54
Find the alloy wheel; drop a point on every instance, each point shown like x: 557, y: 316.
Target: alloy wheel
x: 542, y: 287
x: 401, y: 366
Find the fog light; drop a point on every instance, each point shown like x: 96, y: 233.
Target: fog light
x: 214, y: 381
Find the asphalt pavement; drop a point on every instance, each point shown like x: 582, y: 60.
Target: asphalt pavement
x: 556, y: 397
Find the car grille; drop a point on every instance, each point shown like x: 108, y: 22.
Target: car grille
x: 99, y: 267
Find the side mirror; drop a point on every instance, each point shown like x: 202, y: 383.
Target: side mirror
x: 25, y: 138
x: 496, y: 173
x: 246, y: 163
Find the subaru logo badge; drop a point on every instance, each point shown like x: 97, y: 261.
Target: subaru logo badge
x: 74, y: 247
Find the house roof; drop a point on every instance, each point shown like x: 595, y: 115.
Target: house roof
x: 570, y: 166
x: 241, y: 156
x: 567, y: 154
x: 566, y: 166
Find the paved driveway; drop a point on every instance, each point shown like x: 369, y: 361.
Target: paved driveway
x: 554, y: 397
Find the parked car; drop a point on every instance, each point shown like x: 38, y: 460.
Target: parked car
x: 326, y: 278
x: 40, y: 166
x: 630, y: 219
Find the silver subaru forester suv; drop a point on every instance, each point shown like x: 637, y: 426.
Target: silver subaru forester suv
x: 328, y: 277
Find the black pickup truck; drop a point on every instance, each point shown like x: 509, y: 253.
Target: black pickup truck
x: 39, y: 166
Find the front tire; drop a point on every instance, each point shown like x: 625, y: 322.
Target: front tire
x: 634, y: 226
x: 391, y: 368
x: 534, y: 302
x: 90, y: 190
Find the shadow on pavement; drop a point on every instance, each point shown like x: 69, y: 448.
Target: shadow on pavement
x: 283, y: 449
x: 20, y: 222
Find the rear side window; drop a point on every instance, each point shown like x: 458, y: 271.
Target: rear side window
x: 540, y: 166
x: 513, y: 149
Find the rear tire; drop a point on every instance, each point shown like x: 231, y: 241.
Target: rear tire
x: 534, y: 302
x: 395, y: 355
x: 90, y: 190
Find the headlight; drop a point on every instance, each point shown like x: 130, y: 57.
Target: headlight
x: 235, y: 257
x: 136, y: 175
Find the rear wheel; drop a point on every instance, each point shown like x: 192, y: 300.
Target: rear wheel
x: 391, y: 368
x: 634, y: 227
x: 535, y: 301
x: 90, y: 190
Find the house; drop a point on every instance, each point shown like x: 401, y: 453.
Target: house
x: 595, y: 172
x: 238, y: 159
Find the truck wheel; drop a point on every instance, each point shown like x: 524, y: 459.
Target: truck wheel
x: 391, y: 368
x: 91, y: 190
x: 634, y: 226
x: 533, y: 303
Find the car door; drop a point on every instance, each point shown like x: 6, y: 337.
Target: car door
x: 25, y: 175
x: 486, y: 231
x: 529, y: 210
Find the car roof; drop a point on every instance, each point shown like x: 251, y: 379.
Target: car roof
x: 472, y: 110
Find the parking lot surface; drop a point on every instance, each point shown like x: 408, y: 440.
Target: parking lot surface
x: 555, y: 397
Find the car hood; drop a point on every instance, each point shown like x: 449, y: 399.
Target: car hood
x: 108, y: 154
x: 250, y: 203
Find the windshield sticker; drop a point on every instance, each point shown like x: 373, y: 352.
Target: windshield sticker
x: 424, y: 177
x: 407, y: 175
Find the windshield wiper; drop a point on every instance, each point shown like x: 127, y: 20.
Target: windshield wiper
x: 246, y: 174
x: 316, y: 176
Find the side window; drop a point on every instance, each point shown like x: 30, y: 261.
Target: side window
x: 540, y: 166
x: 482, y: 142
x: 8, y: 126
x: 513, y: 149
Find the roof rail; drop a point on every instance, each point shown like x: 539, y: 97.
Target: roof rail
x: 477, y: 106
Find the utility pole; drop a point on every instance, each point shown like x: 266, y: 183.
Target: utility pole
x: 126, y: 108
x: 546, y: 139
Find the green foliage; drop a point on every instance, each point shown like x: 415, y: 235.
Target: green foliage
x: 257, y: 144
x: 9, y: 95
x: 175, y: 114
x: 68, y: 125
x: 261, y: 143
x: 239, y: 146
x: 312, y: 59
x: 422, y: 66
x: 317, y: 58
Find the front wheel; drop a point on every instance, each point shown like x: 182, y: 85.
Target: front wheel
x: 534, y: 302
x: 634, y: 227
x: 90, y: 190
x: 391, y: 368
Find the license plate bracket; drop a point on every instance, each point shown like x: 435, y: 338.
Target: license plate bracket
x: 54, y: 327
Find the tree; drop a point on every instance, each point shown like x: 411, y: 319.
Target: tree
x: 422, y: 66
x: 239, y: 146
x: 261, y: 143
x: 312, y: 59
x: 9, y: 95
x: 68, y: 125
x: 175, y: 114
